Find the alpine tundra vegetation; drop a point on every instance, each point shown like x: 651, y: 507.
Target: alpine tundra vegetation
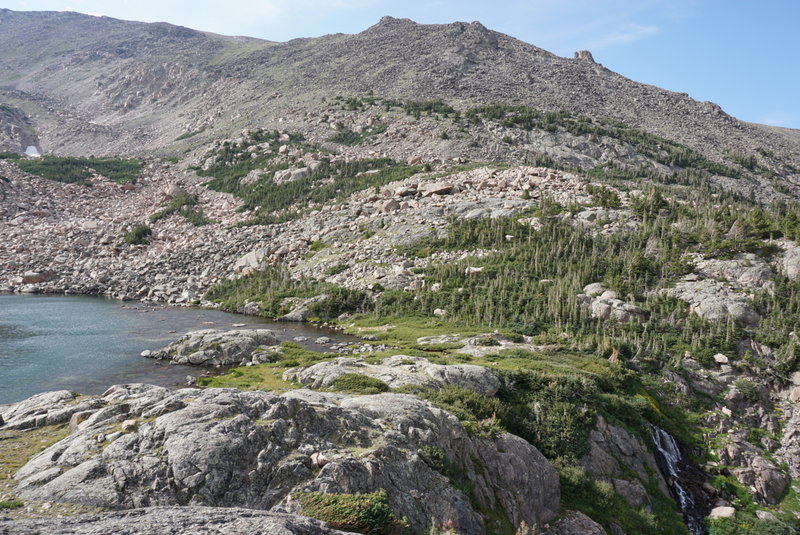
x: 576, y: 297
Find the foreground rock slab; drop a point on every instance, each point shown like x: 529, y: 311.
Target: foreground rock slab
x: 174, y: 521
x: 141, y: 445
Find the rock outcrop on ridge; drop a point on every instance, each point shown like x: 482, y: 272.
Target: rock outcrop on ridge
x: 117, y: 87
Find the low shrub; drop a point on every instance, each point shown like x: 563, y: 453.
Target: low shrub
x: 78, y: 170
x: 748, y: 525
x: 359, y: 513
x: 139, y: 234
x: 271, y: 287
x: 11, y: 504
x: 599, y: 501
x: 335, y: 270
x: 748, y: 389
x: 355, y: 383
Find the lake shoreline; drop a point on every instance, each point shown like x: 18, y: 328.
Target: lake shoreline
x: 102, y: 341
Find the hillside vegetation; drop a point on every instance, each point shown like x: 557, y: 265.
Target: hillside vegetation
x: 551, y: 275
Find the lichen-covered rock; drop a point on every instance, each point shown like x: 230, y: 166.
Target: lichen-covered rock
x: 226, y: 448
x: 606, y: 304
x: 790, y: 262
x: 47, y: 408
x: 173, y: 521
x: 614, y: 452
x: 399, y: 370
x: 746, y: 271
x: 211, y: 347
x: 754, y: 470
x: 575, y: 523
x: 715, y: 301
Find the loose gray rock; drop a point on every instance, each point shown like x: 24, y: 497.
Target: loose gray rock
x: 745, y: 272
x: 606, y: 305
x: 715, y: 301
x: 575, y: 523
x: 173, y: 521
x: 790, y: 262
x: 212, y: 347
x: 47, y: 408
x: 300, y: 308
x: 722, y: 512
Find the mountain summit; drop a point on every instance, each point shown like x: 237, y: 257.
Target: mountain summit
x: 102, y: 85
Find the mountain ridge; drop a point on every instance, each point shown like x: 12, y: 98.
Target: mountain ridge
x: 188, y: 74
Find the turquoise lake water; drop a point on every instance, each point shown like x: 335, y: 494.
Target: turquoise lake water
x: 86, y: 344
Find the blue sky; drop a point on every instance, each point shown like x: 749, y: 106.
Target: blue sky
x: 743, y: 55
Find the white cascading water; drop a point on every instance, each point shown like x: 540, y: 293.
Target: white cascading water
x: 672, y: 456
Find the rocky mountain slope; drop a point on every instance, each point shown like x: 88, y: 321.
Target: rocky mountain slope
x: 133, y: 87
x: 576, y: 294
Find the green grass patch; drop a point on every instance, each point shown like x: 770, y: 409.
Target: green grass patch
x: 317, y: 246
x: 360, y: 513
x: 184, y: 205
x: 335, y: 270
x: 187, y: 135
x: 139, y: 234
x: 267, y: 377
x: 11, y: 504
x: 355, y: 383
x: 17, y: 447
x: 406, y: 330
x: 79, y: 170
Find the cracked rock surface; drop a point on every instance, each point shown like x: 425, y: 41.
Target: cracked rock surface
x: 141, y: 445
x: 174, y: 521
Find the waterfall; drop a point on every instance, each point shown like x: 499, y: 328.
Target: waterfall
x: 684, y: 479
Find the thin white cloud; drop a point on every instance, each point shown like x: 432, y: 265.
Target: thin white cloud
x: 777, y: 118
x: 624, y: 36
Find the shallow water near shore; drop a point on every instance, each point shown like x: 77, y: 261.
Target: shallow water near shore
x: 85, y: 344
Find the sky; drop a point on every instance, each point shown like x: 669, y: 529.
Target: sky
x: 742, y: 54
